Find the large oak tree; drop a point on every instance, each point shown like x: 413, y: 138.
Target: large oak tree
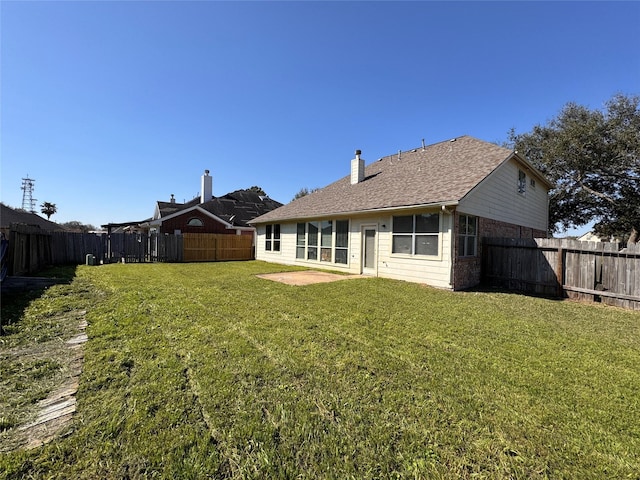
x: 592, y: 157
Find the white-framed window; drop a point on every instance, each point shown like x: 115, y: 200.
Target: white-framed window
x: 467, y: 236
x: 522, y: 182
x: 416, y: 234
x: 323, y: 241
x: 272, y: 238
x: 301, y: 238
x: 312, y: 240
x: 342, y: 241
x: 326, y: 240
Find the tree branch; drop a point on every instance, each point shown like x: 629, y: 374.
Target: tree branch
x: 597, y: 194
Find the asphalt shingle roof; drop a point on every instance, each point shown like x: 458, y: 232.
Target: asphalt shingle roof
x: 237, y: 208
x: 9, y: 215
x: 439, y: 173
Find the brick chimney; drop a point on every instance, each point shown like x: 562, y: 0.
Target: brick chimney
x: 357, y: 169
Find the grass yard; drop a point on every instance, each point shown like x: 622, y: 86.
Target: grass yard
x: 205, y: 371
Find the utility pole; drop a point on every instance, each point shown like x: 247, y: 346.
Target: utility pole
x: 28, y: 202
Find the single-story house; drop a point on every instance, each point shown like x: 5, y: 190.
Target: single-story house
x: 229, y: 214
x: 418, y: 215
x: 12, y: 216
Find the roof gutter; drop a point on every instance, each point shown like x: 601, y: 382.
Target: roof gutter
x: 445, y: 206
x: 441, y: 205
x: 237, y: 227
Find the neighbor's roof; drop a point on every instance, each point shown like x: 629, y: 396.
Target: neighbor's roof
x: 10, y: 215
x: 237, y: 208
x: 437, y: 174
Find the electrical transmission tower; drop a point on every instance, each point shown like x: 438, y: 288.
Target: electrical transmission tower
x: 28, y: 202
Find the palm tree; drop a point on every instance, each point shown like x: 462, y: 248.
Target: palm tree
x: 49, y: 209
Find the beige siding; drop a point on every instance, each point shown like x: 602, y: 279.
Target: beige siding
x: 287, y: 253
x: 435, y: 271
x: 497, y: 197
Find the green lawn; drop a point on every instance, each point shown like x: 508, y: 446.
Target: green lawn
x: 205, y: 371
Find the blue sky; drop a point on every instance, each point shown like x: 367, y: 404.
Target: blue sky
x: 111, y: 106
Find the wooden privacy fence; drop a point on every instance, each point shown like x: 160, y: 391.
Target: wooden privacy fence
x: 72, y: 248
x: 142, y: 248
x: 207, y: 247
x: 601, y: 272
x: 31, y: 248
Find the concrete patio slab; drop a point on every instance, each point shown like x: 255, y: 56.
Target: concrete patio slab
x: 306, y: 277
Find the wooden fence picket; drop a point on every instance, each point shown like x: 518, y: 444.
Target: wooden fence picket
x: 601, y: 272
x: 31, y: 249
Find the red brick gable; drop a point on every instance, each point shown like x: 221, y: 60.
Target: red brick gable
x: 209, y: 224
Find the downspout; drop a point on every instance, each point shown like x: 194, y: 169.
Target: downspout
x: 255, y: 243
x: 451, y: 215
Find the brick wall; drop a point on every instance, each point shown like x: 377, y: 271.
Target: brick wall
x: 494, y: 228
x: 467, y: 270
x: 209, y: 225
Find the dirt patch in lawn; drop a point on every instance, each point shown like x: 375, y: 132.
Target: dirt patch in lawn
x: 42, y: 380
x: 14, y: 285
x: 306, y: 277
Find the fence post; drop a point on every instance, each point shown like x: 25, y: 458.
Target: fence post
x: 560, y: 271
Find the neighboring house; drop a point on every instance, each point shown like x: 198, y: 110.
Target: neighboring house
x: 418, y: 215
x: 229, y: 214
x: 126, y: 227
x: 593, y: 237
x: 9, y: 216
x: 589, y: 237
